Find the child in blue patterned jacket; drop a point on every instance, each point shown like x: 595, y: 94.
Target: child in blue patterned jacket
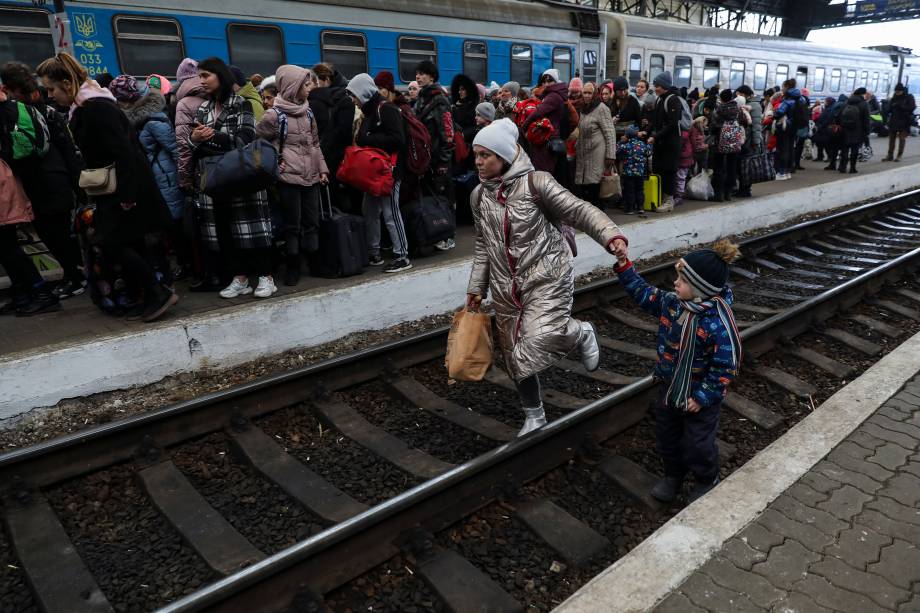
x: 699, y: 354
x: 633, y: 152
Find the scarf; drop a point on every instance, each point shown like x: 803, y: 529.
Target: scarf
x: 679, y: 391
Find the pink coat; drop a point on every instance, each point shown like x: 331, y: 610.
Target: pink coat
x: 189, y: 97
x: 685, y: 158
x: 14, y: 204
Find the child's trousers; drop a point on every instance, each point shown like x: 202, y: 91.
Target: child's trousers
x: 687, y: 441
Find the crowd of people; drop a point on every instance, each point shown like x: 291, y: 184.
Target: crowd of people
x: 111, y: 171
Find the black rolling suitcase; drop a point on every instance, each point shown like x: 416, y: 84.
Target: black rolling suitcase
x: 428, y: 220
x: 342, y: 243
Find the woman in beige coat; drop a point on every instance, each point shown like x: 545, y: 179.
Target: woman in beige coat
x: 522, y: 258
x: 595, y: 148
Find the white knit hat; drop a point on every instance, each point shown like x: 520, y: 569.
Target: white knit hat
x: 499, y: 137
x: 553, y: 72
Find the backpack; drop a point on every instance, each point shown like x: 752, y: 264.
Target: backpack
x: 686, y: 117
x: 418, y: 144
x: 731, y: 137
x: 800, y: 114
x: 524, y: 109
x: 849, y: 118
x: 26, y: 135
x: 461, y: 149
x: 570, y: 118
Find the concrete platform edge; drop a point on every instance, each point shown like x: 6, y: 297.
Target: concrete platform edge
x: 651, y: 571
x: 42, y: 378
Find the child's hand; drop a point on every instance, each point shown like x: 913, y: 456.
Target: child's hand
x: 693, y: 406
x: 621, y: 250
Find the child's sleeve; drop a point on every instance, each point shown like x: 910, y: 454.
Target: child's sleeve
x: 648, y: 297
x: 722, y: 369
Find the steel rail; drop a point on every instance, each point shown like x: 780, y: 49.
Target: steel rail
x: 314, y: 564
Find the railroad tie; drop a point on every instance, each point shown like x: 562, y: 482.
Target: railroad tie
x: 788, y: 257
x: 790, y: 383
x: 841, y: 249
x: 633, y: 479
x: 556, y: 398
x: 646, y: 353
x: 873, y: 324
x: 217, y: 542
x: 601, y: 375
x: 900, y: 309
x: 852, y: 341
x: 462, y: 587
x: 743, y: 272
x: 747, y: 408
x: 417, y: 394
x: 829, y: 365
x: 292, y: 476
x: 350, y: 423
x: 572, y: 539
x: 767, y: 264
x: 60, y: 581
x: 908, y: 294
x: 754, y: 308
x: 639, y: 323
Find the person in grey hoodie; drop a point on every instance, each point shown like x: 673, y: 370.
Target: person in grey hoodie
x: 291, y: 125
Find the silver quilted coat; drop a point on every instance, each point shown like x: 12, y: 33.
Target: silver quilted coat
x: 522, y: 259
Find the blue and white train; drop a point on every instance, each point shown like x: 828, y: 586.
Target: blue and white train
x: 489, y: 40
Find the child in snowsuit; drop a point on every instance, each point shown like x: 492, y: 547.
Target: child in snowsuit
x: 699, y: 354
x: 634, y: 153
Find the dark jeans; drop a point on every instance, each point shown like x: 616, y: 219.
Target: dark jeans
x: 725, y: 169
x: 138, y: 272
x: 300, y: 217
x: 590, y: 193
x: 529, y: 391
x: 235, y: 261
x: 54, y: 230
x: 785, y: 151
x: 20, y: 268
x: 668, y: 178
x: 799, y: 150
x: 687, y: 441
x: 851, y: 152
x: 633, y: 192
x: 901, y: 138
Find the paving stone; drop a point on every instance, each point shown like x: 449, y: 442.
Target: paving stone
x: 912, y: 467
x: 795, y: 510
x: 758, y: 537
x: 897, y: 426
x: 786, y: 564
x: 872, y: 585
x: 896, y: 511
x: 905, y: 488
x: 811, y: 537
x: 887, y: 526
x: 890, y: 456
x: 756, y: 588
x: 858, y: 480
x: 900, y: 438
x: 899, y: 563
x: 805, y: 494
x: 845, y: 502
x: 866, y: 440
x: 797, y: 602
x: 704, y: 593
x: 829, y: 595
x: 901, y: 405
x: 911, y: 606
x: 819, y: 482
x: 741, y: 554
x: 846, y: 457
x: 678, y: 603
x: 858, y: 546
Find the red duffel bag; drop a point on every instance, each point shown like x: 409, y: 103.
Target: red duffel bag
x: 368, y: 169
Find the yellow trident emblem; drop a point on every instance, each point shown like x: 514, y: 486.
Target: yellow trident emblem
x: 86, y: 24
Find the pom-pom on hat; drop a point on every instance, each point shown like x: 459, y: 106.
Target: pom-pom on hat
x: 706, y: 270
x: 499, y: 137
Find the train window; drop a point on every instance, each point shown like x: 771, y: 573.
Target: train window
x: 801, y: 76
x: 874, y: 82
x: 347, y: 51
x: 819, y: 79
x: 255, y: 48
x: 589, y: 65
x: 760, y: 76
x: 148, y: 44
x: 522, y: 64
x: 710, y: 72
x: 475, y: 60
x: 864, y: 79
x: 851, y: 81
x: 886, y: 84
x: 736, y: 75
x: 655, y: 66
x: 635, y: 68
x: 835, y: 80
x: 413, y: 50
x: 25, y: 36
x: 562, y: 61
x: 782, y: 74
x: 683, y: 71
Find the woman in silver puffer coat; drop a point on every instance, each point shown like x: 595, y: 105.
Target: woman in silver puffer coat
x: 522, y: 258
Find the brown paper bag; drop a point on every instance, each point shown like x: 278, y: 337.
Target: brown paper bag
x: 469, y: 346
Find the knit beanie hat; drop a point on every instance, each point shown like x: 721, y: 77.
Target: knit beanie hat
x: 157, y: 81
x: 706, y: 270
x: 575, y: 86
x: 187, y: 69
x: 482, y: 91
x: 362, y: 87
x: 620, y: 83
x: 267, y: 82
x: 238, y: 75
x: 486, y: 111
x: 899, y: 87
x: 500, y: 137
x: 429, y: 68
x: 125, y: 88
x: 514, y: 87
x: 385, y: 80
x: 725, y: 95
x: 632, y: 131
x: 663, y: 80
x: 552, y: 73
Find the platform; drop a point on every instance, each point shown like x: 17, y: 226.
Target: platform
x: 824, y: 519
x: 79, y: 351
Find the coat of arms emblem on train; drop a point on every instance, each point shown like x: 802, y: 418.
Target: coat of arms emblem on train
x: 85, y: 24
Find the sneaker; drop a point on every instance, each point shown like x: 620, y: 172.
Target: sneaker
x: 236, y: 288
x: 445, y: 245
x: 590, y: 352
x: 398, y: 265
x: 375, y: 260
x: 701, y: 489
x: 158, y: 303
x: 667, y: 206
x: 667, y: 489
x: 783, y: 177
x: 40, y: 301
x: 67, y: 289
x: 265, y: 288
x: 534, y: 419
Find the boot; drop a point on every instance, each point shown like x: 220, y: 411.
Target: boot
x: 590, y: 352
x: 853, y: 168
x: 888, y: 158
x: 533, y: 419
x: 159, y: 299
x: 717, y: 197
x: 700, y: 489
x: 292, y: 270
x: 843, y: 167
x: 667, y: 489
x: 831, y: 166
x: 41, y: 300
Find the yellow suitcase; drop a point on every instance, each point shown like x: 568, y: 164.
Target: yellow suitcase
x: 652, y: 189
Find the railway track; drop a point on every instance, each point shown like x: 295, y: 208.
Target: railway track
x: 351, y: 461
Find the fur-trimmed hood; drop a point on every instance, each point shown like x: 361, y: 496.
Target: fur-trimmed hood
x: 145, y: 108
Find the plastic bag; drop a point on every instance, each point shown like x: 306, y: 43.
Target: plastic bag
x: 699, y: 187
x: 865, y: 153
x: 469, y: 346
x: 610, y: 187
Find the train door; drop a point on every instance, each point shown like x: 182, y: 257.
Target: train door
x: 634, y: 66
x: 589, y: 53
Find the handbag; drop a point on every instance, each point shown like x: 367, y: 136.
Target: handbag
x: 240, y: 171
x: 556, y: 145
x: 99, y: 181
x: 469, y: 346
x: 368, y: 169
x: 610, y: 188
x: 757, y: 168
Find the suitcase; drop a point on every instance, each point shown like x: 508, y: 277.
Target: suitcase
x: 652, y: 190
x: 342, y: 243
x: 429, y: 220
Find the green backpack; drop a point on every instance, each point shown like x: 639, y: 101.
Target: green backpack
x: 29, y: 135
